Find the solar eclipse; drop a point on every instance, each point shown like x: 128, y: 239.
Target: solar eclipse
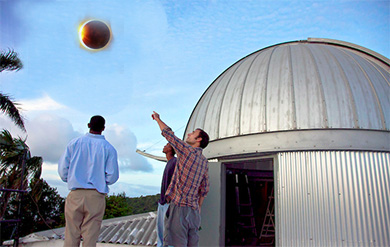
x: 95, y: 35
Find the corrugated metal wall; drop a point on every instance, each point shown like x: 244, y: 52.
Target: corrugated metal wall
x: 331, y: 198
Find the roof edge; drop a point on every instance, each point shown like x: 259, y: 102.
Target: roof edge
x: 155, y: 157
x: 350, y: 45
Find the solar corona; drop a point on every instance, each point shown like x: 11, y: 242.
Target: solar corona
x: 94, y: 35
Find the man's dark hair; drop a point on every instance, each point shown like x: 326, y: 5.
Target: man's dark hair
x: 205, y: 138
x: 173, y: 150
x: 97, y: 123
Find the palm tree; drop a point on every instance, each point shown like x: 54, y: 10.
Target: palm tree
x: 17, y: 167
x: 10, y: 108
x: 10, y: 61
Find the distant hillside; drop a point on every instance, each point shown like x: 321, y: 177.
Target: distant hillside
x: 143, y: 204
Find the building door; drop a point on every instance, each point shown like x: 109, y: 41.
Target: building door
x: 249, y: 203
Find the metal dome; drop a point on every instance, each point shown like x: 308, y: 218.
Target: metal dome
x: 303, y: 93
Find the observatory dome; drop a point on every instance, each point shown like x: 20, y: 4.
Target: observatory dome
x: 300, y: 95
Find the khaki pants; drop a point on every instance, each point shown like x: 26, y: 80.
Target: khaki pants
x: 84, y: 211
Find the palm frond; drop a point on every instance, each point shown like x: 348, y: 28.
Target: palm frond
x: 17, y: 168
x: 10, y: 109
x: 9, y: 61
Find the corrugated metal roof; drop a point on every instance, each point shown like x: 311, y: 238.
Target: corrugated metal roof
x: 139, y: 230
x: 301, y: 85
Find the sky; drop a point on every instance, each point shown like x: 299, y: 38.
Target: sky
x: 162, y: 57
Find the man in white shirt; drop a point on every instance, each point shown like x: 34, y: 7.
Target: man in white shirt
x: 89, y: 164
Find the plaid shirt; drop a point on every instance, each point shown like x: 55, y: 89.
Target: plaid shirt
x: 190, y: 180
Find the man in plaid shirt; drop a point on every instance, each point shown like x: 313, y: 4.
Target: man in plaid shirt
x: 189, y: 186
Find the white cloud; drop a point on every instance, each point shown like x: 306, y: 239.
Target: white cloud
x: 125, y: 143
x: 50, y: 167
x: 46, y: 103
x: 6, y: 123
x: 48, y: 135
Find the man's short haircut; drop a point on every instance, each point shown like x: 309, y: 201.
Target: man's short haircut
x: 173, y: 150
x: 205, y: 138
x: 97, y: 123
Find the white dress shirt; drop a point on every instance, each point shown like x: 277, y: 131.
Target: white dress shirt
x: 89, y: 162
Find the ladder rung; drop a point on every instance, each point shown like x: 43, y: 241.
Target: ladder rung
x: 248, y: 227
x: 245, y: 223
x: 246, y: 215
x: 267, y: 235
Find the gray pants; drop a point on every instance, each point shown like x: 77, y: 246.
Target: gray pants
x: 181, y: 226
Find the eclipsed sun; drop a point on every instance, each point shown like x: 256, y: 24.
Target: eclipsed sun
x: 94, y: 34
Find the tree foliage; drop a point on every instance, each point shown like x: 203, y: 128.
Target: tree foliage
x: 10, y: 61
x: 42, y: 209
x: 116, y: 206
x: 143, y: 204
x: 17, y: 167
x: 10, y: 108
x: 120, y: 205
